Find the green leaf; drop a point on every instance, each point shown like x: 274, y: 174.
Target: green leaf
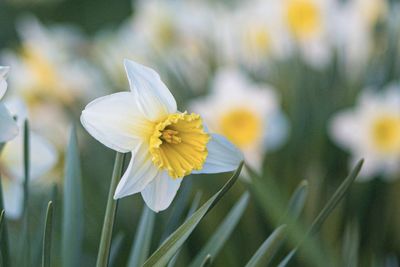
x: 335, y: 199
x: 267, y: 250
x: 298, y: 199
x: 287, y: 258
x: 72, y: 227
x: 4, y: 247
x: 109, y: 217
x: 116, y: 248
x: 206, y: 261
x: 172, y: 244
x: 223, y: 232
x: 46, y: 253
x: 141, y: 245
x: 195, y: 204
x: 25, y: 242
x: 350, y: 245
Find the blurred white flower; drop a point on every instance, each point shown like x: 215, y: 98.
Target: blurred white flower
x: 354, y: 30
x: 166, y: 145
x: 248, y: 114
x: 8, y: 127
x: 371, y: 130
x: 51, y: 64
x: 42, y: 155
x: 309, y: 24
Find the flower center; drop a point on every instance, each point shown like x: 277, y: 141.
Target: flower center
x: 259, y: 38
x: 241, y: 126
x: 386, y: 134
x: 303, y: 18
x: 179, y: 144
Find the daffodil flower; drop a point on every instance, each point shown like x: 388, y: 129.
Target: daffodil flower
x: 8, y: 127
x: 166, y: 144
x: 43, y: 157
x: 371, y: 130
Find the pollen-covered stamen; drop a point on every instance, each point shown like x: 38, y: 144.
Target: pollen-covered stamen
x: 170, y: 136
x: 179, y: 144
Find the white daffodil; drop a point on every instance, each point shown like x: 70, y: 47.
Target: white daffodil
x: 166, y: 145
x: 51, y: 65
x: 371, y: 130
x: 43, y: 157
x: 8, y: 127
x: 308, y: 22
x: 247, y: 114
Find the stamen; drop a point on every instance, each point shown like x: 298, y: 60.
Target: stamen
x: 171, y: 136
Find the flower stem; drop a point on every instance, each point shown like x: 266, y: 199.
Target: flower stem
x: 108, y: 225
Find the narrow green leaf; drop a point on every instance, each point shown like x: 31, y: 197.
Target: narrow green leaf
x: 288, y: 257
x: 116, y: 248
x: 178, y: 209
x: 47, y: 233
x: 193, y: 207
x: 206, y: 261
x: 172, y: 244
x: 350, y: 245
x: 25, y: 242
x: 335, y: 199
x: 298, y: 199
x: 141, y: 246
x: 4, y: 249
x: 267, y: 250
x: 221, y: 235
x: 109, y: 217
x: 72, y: 227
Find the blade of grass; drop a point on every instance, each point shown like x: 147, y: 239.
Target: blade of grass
x: 47, y: 233
x: 172, y: 244
x: 109, y: 217
x: 287, y: 258
x: 72, y: 227
x: 4, y: 249
x: 350, y: 245
x: 193, y: 207
x: 116, y: 248
x: 267, y: 250
x: 142, y: 242
x: 24, y: 259
x: 298, y: 199
x: 221, y: 235
x: 206, y: 261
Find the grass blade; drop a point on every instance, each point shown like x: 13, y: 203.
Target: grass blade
x: 141, y: 245
x: 193, y: 207
x: 223, y: 232
x: 4, y: 246
x: 109, y: 217
x: 350, y: 245
x: 267, y: 250
x: 207, y: 261
x: 298, y: 199
x: 72, y: 228
x: 288, y: 257
x: 115, y: 248
x: 47, y: 233
x: 172, y: 244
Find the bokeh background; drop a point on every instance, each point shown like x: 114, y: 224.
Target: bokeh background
x: 304, y: 87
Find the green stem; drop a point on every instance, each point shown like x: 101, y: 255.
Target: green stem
x: 106, y: 233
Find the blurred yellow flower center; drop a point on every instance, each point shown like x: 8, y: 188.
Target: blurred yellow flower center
x: 179, y: 144
x: 165, y: 32
x: 386, y: 133
x: 303, y: 17
x: 259, y: 38
x: 241, y: 126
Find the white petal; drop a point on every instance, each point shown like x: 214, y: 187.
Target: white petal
x: 43, y: 157
x: 3, y: 82
x: 115, y: 121
x: 151, y: 94
x: 8, y: 127
x: 159, y: 194
x: 277, y: 131
x: 223, y: 156
x: 13, y: 198
x: 18, y: 109
x: 140, y: 172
